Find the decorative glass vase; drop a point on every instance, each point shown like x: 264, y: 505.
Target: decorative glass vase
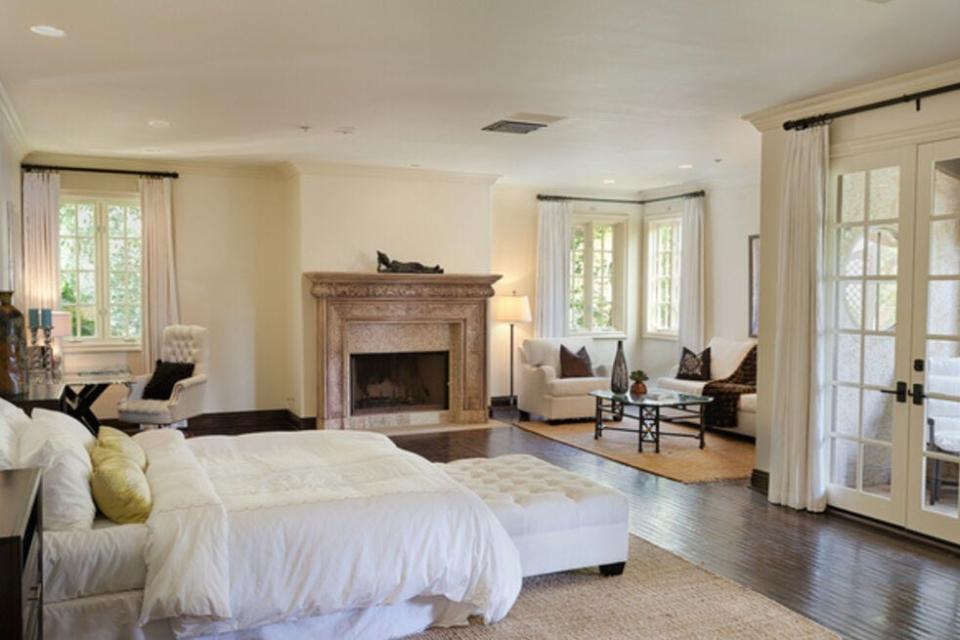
x: 13, y: 347
x: 620, y: 380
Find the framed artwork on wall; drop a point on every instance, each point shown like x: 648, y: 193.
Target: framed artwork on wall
x: 754, y: 258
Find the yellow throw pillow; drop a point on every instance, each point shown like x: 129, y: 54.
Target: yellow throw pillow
x: 120, y: 488
x: 112, y: 439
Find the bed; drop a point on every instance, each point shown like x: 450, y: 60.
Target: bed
x: 284, y: 535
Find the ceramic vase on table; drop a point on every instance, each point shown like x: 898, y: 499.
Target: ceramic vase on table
x: 638, y: 389
x: 13, y: 347
x: 620, y: 380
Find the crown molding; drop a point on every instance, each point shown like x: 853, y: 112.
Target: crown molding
x: 913, y: 81
x: 9, y: 114
x: 184, y: 167
x: 402, y: 173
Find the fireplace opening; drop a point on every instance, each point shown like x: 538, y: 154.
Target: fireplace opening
x: 399, y: 382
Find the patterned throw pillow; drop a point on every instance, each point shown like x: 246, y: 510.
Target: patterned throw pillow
x: 694, y: 366
x: 575, y: 365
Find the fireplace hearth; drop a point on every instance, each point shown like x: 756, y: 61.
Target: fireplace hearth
x: 398, y: 382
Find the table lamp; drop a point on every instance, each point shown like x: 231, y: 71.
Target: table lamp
x: 512, y: 309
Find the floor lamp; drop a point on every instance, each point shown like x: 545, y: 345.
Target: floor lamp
x: 512, y: 309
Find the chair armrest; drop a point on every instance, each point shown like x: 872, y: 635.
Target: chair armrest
x: 548, y: 372
x: 183, y: 385
x: 135, y: 387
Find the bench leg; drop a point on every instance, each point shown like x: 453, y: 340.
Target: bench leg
x: 614, y: 569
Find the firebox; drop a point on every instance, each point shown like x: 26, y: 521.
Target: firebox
x: 399, y: 382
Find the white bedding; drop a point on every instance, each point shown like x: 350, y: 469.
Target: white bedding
x: 105, y: 559
x: 316, y: 522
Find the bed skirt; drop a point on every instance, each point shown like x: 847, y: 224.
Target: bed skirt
x: 114, y: 616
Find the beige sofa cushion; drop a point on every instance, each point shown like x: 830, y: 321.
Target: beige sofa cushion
x: 748, y: 403
x: 576, y: 386
x: 726, y: 355
x: 693, y: 387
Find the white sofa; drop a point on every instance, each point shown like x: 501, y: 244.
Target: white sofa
x: 725, y: 356
x: 542, y: 392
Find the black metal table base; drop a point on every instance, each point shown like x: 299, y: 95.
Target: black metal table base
x: 79, y: 404
x: 648, y: 421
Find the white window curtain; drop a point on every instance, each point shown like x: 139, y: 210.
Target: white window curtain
x: 553, y: 268
x: 41, y: 248
x: 797, y: 457
x: 690, y: 329
x: 159, y: 270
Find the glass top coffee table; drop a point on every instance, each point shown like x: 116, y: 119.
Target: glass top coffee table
x: 619, y: 406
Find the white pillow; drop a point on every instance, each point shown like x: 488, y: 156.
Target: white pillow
x: 54, y: 446
x: 9, y: 445
x: 14, y: 415
x: 70, y: 424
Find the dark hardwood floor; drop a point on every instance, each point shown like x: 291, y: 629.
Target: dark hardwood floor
x: 851, y: 577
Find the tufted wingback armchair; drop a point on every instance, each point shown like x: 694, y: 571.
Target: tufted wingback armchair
x: 180, y: 343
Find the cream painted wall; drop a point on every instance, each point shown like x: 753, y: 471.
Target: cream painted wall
x: 12, y: 150
x: 345, y: 214
x: 229, y: 246
x: 889, y: 128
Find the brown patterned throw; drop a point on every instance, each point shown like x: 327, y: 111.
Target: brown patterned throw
x: 722, y: 412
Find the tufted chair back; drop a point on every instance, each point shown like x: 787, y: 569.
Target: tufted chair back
x: 186, y: 343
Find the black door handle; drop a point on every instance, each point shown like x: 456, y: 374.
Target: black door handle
x: 918, y: 394
x: 901, y: 391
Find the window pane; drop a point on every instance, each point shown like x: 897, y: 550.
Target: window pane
x: 578, y: 279
x: 88, y: 322
x: 87, y: 287
x: 133, y: 255
x: 118, y: 322
x: 68, y: 253
x: 68, y: 219
x: 133, y: 327
x: 852, y: 186
x: 118, y: 287
x: 133, y: 288
x: 68, y: 287
x: 133, y: 222
x: 88, y: 254
x: 86, y: 219
x: 882, y: 250
x: 115, y: 221
x: 885, y: 193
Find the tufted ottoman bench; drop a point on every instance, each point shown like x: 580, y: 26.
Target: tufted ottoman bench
x: 558, y: 520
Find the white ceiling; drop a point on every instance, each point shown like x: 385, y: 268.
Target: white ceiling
x: 644, y: 85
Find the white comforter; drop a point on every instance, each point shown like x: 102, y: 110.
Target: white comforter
x: 260, y: 528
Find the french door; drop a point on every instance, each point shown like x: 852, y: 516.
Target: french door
x: 893, y: 336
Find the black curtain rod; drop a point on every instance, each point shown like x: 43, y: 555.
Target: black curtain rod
x: 824, y: 118
x: 691, y: 194
x: 125, y: 172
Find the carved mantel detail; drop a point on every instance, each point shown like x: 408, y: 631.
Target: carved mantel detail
x: 356, y: 308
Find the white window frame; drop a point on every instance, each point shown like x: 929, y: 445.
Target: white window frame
x: 102, y: 341
x: 651, y: 273
x: 618, y: 304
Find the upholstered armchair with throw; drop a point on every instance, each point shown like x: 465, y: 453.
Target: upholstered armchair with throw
x: 545, y: 392
x: 181, y: 344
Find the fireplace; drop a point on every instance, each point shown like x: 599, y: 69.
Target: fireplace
x: 397, y: 317
x: 399, y: 382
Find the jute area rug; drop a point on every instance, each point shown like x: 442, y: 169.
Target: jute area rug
x: 658, y: 596
x: 725, y: 457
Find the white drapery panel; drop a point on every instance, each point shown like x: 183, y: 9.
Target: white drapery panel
x: 691, y: 326
x: 41, y: 244
x: 798, y: 441
x: 162, y: 306
x: 553, y: 268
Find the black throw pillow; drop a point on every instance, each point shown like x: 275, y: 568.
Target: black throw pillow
x: 164, y: 377
x: 575, y: 365
x: 694, y: 366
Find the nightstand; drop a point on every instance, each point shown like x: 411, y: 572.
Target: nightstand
x: 21, y: 554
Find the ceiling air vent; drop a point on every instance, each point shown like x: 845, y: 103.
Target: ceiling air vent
x: 514, y: 126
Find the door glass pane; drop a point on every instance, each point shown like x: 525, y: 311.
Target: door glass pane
x: 880, y: 308
x: 843, y: 467
x: 879, y: 360
x: 852, y: 192
x: 848, y: 358
x: 877, y: 415
x: 943, y: 298
x: 851, y: 251
x: 945, y: 247
x: 846, y: 410
x: 885, y: 193
x: 946, y: 187
x: 849, y: 304
x: 942, y: 416
x: 877, y: 469
x: 882, y: 250
x: 940, y: 492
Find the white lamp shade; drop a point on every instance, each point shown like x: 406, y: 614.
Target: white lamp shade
x: 61, y: 324
x: 512, y: 309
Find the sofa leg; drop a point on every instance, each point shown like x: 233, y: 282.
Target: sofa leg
x: 614, y: 569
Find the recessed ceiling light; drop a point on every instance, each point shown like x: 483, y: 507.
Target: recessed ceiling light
x: 414, y: 165
x: 346, y: 130
x: 151, y: 150
x: 48, y: 31
x: 685, y: 166
x: 158, y: 124
x: 609, y: 181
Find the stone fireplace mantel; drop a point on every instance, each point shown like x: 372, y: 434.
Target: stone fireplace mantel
x: 393, y: 312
